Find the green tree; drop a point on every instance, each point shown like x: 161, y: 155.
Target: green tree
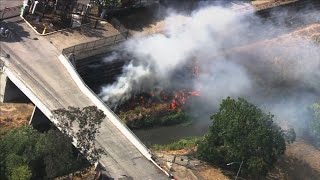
x: 315, y: 123
x: 26, y: 153
x: 17, y: 149
x: 21, y: 173
x: 59, y: 155
x: 82, y: 125
x: 242, y: 132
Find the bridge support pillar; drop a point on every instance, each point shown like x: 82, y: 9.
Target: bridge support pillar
x: 3, y: 80
x: 9, y: 92
x: 38, y: 119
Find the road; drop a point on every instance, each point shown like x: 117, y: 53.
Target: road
x: 12, y: 3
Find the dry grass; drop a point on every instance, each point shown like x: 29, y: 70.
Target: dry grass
x: 211, y: 173
x: 264, y: 4
x: 301, y: 161
x: 13, y: 115
x: 160, y: 27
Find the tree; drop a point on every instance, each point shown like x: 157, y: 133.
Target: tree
x: 26, y: 153
x: 82, y: 125
x: 315, y: 123
x: 21, y: 173
x: 17, y: 149
x: 242, y: 132
x: 59, y: 155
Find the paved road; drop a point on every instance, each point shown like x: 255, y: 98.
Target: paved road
x: 34, y: 61
x: 12, y: 3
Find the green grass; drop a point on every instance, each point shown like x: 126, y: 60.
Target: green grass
x: 173, y: 118
x: 180, y: 144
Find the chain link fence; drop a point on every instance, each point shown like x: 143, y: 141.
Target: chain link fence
x: 104, y: 42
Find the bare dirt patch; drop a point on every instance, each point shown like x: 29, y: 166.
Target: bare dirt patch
x: 264, y: 4
x: 301, y: 161
x: 182, y: 165
x: 13, y: 115
x: 211, y: 173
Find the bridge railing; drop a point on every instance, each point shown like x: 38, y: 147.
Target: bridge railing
x: 10, y: 12
x: 104, y: 42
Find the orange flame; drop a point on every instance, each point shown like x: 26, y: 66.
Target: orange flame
x: 180, y: 98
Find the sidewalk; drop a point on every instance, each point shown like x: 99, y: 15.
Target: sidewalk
x: 82, y: 34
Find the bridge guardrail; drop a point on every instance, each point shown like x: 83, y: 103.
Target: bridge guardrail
x: 10, y: 12
x: 107, y: 41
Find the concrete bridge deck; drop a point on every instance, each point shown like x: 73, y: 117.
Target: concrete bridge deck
x: 34, y: 67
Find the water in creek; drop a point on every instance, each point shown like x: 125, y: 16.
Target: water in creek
x: 168, y: 134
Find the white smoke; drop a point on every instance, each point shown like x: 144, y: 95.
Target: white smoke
x: 225, y: 79
x: 258, y: 72
x: 203, y: 31
x: 125, y: 85
x: 113, y: 56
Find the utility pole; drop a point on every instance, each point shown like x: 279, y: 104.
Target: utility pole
x: 238, y: 169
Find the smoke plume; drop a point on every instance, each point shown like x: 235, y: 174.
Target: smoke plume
x: 236, y: 56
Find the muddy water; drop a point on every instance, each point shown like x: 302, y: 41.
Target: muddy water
x: 164, y: 135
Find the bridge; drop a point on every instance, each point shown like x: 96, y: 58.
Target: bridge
x: 39, y: 71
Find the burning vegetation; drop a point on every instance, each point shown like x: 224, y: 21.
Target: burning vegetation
x: 161, y: 107
x: 156, y: 108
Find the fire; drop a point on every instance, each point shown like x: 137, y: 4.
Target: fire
x: 180, y: 98
x: 174, y: 99
x: 194, y: 93
x: 174, y: 104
